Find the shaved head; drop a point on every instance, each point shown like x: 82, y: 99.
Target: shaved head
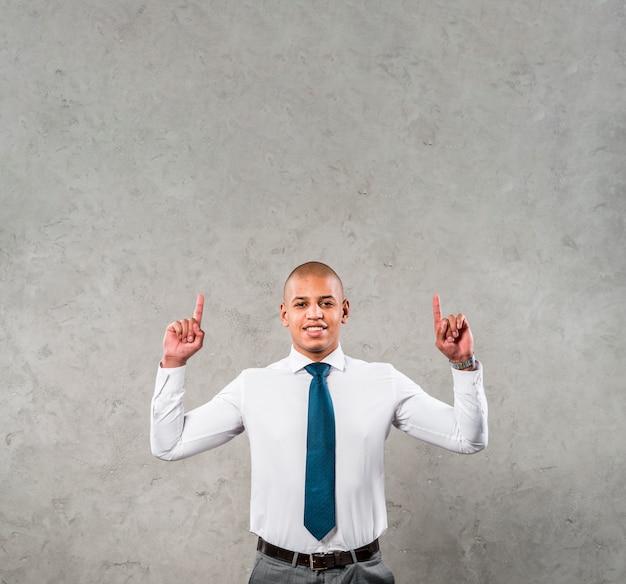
x: 316, y: 269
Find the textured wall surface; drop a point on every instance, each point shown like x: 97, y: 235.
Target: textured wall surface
x: 151, y: 151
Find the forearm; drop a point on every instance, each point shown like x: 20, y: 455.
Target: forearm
x: 470, y: 408
x: 167, y: 413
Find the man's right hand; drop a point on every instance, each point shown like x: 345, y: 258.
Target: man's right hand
x: 183, y: 338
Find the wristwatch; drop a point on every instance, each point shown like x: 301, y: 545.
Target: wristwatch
x: 469, y: 363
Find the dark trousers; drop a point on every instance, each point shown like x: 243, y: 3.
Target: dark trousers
x: 270, y: 571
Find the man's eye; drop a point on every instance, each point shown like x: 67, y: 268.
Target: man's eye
x: 299, y: 304
x: 327, y: 304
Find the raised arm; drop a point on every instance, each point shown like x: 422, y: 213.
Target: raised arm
x: 174, y: 433
x: 462, y: 427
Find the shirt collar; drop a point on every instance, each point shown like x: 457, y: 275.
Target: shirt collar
x: 299, y: 361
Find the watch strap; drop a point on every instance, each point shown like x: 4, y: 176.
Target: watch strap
x: 469, y: 363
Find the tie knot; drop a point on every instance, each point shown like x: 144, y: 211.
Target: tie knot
x: 321, y: 369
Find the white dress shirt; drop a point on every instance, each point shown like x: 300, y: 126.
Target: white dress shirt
x: 271, y: 405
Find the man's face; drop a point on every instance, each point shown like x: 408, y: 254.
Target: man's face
x: 314, y: 310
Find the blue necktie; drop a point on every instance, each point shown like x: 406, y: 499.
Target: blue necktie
x: 319, y: 488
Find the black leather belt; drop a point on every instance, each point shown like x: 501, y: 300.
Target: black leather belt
x: 319, y: 561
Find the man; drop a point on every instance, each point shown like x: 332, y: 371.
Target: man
x: 317, y: 422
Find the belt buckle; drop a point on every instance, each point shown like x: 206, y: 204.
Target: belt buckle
x: 312, y: 563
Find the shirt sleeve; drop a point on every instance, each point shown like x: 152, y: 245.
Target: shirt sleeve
x: 174, y: 434
x: 460, y: 428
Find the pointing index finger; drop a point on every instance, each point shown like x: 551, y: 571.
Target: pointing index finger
x: 436, y: 310
x: 199, y: 308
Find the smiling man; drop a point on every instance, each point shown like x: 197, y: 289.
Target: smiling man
x: 314, y: 309
x: 317, y: 422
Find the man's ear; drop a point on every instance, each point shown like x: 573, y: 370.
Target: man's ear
x: 345, y: 307
x: 283, y: 314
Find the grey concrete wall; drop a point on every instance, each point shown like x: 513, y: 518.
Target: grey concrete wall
x: 151, y: 151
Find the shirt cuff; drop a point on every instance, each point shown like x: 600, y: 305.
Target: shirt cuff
x: 468, y: 379
x: 173, y: 377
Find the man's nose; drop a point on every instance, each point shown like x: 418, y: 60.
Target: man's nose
x: 314, y: 311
